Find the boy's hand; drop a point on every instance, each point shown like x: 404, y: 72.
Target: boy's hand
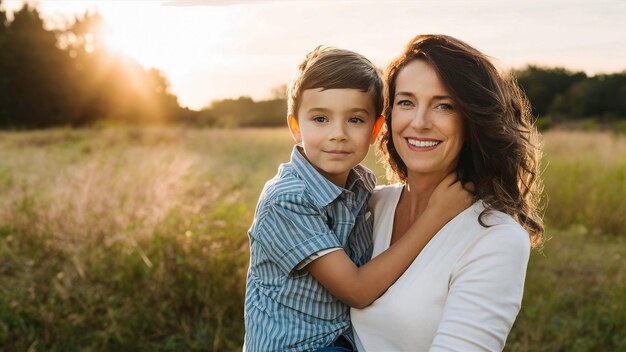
x: 449, y: 199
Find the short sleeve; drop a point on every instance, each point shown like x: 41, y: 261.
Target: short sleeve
x: 293, y: 230
x: 486, y: 290
x: 315, y: 256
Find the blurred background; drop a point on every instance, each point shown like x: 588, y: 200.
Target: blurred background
x: 135, y: 137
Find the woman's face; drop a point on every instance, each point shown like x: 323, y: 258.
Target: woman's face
x: 427, y: 128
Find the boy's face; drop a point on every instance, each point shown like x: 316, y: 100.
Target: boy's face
x: 334, y: 127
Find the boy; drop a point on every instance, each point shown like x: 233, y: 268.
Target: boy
x: 311, y: 236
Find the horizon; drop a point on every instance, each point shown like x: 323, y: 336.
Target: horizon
x: 213, y: 50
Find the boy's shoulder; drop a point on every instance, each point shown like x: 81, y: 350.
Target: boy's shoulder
x: 285, y: 193
x: 285, y: 184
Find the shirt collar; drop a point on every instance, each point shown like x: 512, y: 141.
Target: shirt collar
x: 321, y: 189
x: 364, y: 176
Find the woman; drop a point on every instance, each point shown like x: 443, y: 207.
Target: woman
x: 448, y: 109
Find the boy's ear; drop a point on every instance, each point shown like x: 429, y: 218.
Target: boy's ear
x: 377, y: 126
x: 294, y: 128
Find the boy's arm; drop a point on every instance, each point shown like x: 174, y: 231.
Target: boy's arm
x: 359, y: 287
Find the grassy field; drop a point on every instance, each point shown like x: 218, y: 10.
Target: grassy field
x: 135, y: 239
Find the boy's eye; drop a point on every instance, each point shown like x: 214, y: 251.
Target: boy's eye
x: 356, y: 119
x: 319, y: 119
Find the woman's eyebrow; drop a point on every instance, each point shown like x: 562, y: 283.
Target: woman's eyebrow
x: 407, y: 94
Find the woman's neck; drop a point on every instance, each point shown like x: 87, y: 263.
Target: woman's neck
x: 418, y: 190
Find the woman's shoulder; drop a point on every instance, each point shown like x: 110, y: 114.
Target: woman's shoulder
x: 493, y: 217
x: 496, y: 227
x: 385, y: 194
x: 387, y: 190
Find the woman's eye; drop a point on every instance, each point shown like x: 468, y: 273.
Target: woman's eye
x: 445, y: 107
x: 405, y: 103
x: 319, y: 119
x: 356, y: 120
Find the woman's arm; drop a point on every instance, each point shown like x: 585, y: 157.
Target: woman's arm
x: 486, y: 289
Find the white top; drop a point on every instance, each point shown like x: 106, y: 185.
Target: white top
x: 462, y: 293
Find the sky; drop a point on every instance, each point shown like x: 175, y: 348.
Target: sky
x: 217, y: 49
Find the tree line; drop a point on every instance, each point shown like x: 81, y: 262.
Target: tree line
x: 68, y: 78
x: 558, y: 95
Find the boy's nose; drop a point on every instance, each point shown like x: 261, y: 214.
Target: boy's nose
x: 337, y: 132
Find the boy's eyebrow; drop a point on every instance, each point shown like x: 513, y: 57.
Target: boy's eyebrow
x: 324, y: 110
x: 365, y: 111
x: 436, y: 97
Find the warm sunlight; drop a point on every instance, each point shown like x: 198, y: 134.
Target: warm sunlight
x: 116, y: 44
x: 190, y: 47
x: 158, y: 40
x: 212, y: 50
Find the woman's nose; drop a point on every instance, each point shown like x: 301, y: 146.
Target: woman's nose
x: 421, y: 119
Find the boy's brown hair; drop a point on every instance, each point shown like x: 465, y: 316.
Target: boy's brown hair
x: 332, y: 68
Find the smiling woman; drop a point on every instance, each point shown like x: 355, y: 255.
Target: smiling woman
x: 424, y: 104
x: 449, y: 109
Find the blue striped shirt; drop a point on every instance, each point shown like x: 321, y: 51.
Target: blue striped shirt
x: 300, y: 213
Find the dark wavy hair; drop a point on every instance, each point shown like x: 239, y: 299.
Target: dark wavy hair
x: 501, y: 151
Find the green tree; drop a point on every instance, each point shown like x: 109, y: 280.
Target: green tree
x: 3, y: 16
x: 37, y: 72
x: 244, y: 112
x: 4, y: 81
x: 600, y: 96
x: 542, y: 85
x: 67, y: 77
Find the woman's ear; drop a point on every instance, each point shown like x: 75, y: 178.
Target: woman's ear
x: 377, y: 126
x: 294, y: 128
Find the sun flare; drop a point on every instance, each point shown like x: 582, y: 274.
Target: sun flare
x: 116, y: 44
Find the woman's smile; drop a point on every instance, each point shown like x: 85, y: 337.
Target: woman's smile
x: 422, y: 144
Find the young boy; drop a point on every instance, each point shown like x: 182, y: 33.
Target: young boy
x: 312, y: 233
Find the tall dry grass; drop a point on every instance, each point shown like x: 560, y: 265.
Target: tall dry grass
x: 585, y: 181
x: 129, y: 237
x: 135, y: 239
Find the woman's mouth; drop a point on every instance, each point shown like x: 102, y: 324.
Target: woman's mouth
x: 422, y: 144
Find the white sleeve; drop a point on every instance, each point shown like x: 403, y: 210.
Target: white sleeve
x: 486, y: 289
x: 314, y: 256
